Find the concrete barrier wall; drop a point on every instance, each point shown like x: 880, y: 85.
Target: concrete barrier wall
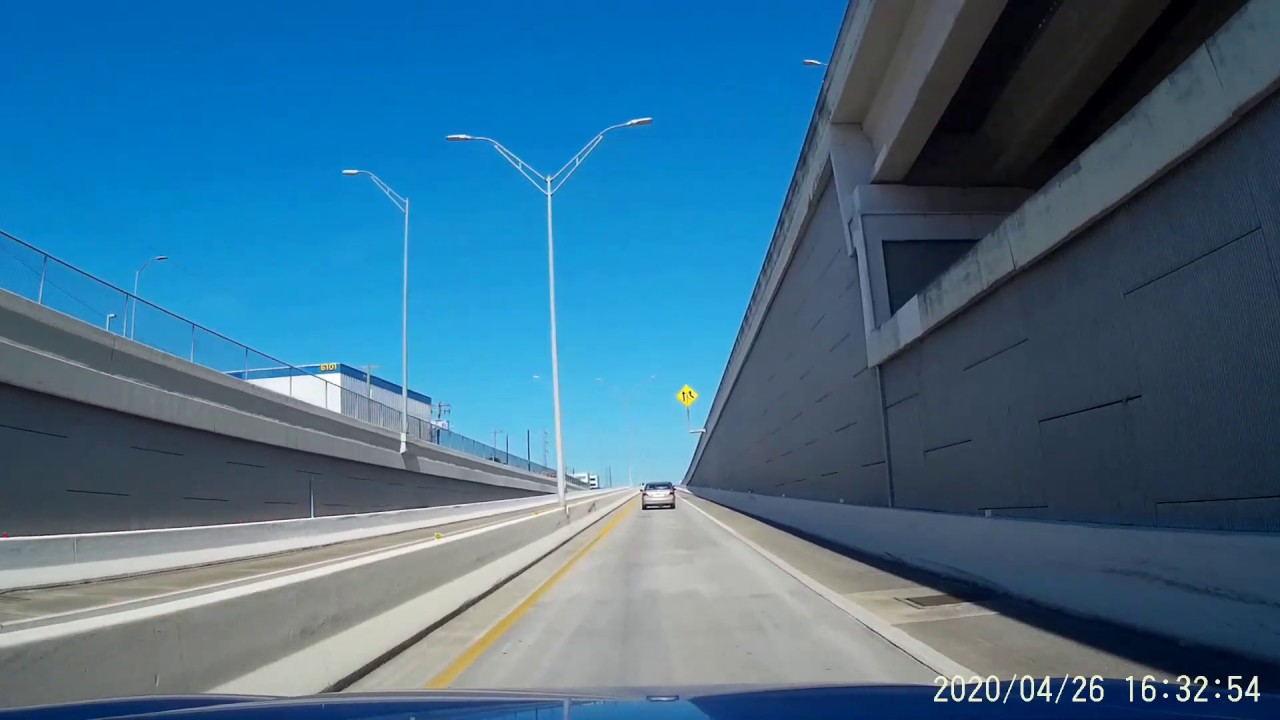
x: 1106, y: 355
x: 1219, y: 590
x: 293, y: 634
x: 75, y: 467
x: 59, y: 559
x: 49, y: 332
x: 165, y: 443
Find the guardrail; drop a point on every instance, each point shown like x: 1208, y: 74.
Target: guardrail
x: 29, y: 272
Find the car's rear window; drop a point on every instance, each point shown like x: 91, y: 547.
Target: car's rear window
x: 659, y: 486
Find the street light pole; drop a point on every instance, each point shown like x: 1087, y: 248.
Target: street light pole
x: 548, y: 185
x: 404, y: 340
x: 555, y: 352
x: 136, y: 277
x: 626, y: 412
x: 368, y: 379
x: 402, y: 204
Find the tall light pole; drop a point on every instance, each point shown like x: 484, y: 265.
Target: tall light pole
x: 136, y: 277
x: 110, y: 317
x: 548, y: 185
x: 368, y: 379
x: 402, y: 204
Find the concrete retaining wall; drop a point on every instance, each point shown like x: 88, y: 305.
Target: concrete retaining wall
x: 100, y: 434
x: 1218, y: 590
x: 26, y: 324
x: 299, y: 633
x: 59, y: 559
x: 1126, y: 378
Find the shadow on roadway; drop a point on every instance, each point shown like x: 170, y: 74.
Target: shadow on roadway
x: 1149, y: 649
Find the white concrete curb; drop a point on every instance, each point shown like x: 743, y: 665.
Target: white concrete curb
x: 299, y: 632
x: 319, y: 667
x: 60, y: 559
x: 924, y: 654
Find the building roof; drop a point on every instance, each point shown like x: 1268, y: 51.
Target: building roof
x: 326, y: 369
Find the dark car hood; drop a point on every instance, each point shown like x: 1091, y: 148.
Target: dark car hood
x: 673, y: 703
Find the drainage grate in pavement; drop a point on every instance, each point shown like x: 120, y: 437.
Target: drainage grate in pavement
x: 925, y: 602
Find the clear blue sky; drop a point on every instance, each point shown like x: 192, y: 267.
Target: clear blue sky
x: 216, y: 132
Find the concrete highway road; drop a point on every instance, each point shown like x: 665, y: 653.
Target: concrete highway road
x: 648, y: 599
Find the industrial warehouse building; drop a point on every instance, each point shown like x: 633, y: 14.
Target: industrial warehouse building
x: 359, y: 394
x: 346, y: 389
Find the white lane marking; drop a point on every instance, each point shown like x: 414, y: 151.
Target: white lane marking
x: 924, y: 654
x: 235, y: 587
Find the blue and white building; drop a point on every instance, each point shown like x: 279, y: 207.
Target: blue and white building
x: 343, y: 388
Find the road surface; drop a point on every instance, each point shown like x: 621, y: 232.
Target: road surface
x: 651, y: 598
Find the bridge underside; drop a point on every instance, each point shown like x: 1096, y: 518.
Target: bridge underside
x: 1027, y: 267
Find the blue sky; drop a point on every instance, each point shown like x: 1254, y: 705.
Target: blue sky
x: 215, y: 133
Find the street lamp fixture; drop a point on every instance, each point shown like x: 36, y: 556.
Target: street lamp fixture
x: 815, y: 63
x: 402, y: 204
x: 548, y: 185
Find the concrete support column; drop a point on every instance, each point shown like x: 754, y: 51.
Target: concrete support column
x: 852, y: 160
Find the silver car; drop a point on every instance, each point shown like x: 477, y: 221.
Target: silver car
x: 658, y: 494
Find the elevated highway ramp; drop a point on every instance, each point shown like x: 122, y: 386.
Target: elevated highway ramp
x: 610, y: 598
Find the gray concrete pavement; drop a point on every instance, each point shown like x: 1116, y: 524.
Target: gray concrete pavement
x: 987, y: 633
x: 663, y: 598
x: 671, y: 599
x: 30, y: 607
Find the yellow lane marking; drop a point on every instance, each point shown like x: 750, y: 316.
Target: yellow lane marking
x: 484, y: 642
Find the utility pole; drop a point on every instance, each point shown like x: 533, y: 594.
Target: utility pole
x: 508, y: 450
x: 528, y: 445
x: 544, y: 447
x: 442, y: 409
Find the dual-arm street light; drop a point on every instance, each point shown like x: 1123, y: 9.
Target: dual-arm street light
x: 548, y: 185
x: 133, y: 320
x: 401, y: 203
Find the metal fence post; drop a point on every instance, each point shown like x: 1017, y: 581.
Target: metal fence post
x: 193, y: 342
x: 44, y: 266
x: 246, y: 363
